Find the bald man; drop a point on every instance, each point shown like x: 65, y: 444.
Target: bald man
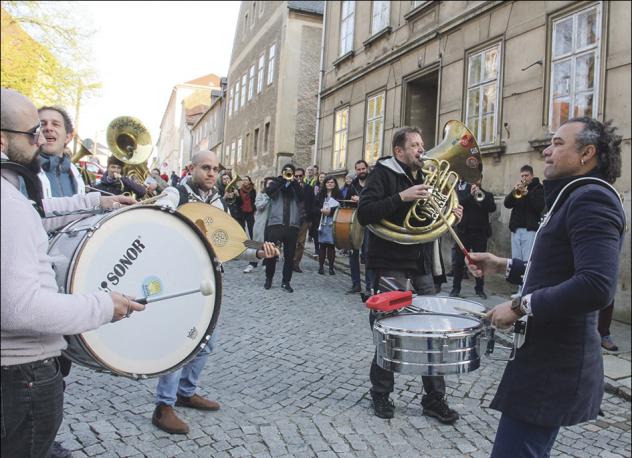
x: 35, y: 316
x: 179, y: 387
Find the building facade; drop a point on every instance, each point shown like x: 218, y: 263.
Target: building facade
x: 187, y: 102
x: 271, y: 101
x: 208, y: 132
x: 511, y: 71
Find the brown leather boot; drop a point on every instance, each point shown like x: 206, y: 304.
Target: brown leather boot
x: 197, y: 402
x: 166, y: 419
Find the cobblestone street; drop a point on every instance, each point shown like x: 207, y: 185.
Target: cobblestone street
x: 291, y: 374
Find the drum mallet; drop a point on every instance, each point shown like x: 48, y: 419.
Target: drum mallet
x: 206, y: 288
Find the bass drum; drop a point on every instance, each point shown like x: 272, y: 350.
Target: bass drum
x: 348, y: 232
x: 140, y: 251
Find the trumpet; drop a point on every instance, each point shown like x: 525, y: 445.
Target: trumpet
x: 479, y: 196
x: 288, y: 175
x: 520, y: 191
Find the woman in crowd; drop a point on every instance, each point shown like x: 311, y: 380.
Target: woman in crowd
x: 346, y: 188
x: 261, y: 203
x: 328, y: 198
x: 246, y: 203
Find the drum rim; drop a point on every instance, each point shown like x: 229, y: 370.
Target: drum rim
x: 449, y: 299
x: 208, y: 332
x: 452, y: 332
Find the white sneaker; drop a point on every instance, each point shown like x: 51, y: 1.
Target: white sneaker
x: 248, y: 269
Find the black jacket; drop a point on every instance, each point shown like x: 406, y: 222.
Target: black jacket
x: 557, y: 376
x: 118, y: 187
x: 356, y: 187
x: 308, y: 201
x: 527, y: 210
x: 475, y: 214
x: 380, y: 199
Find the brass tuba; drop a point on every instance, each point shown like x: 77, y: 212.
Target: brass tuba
x: 456, y: 157
x: 130, y: 142
x: 85, y: 147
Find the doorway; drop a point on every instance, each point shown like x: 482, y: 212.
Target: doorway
x: 420, y: 107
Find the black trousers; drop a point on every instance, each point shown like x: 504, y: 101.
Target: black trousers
x: 247, y: 221
x: 473, y: 241
x: 286, y: 236
x: 383, y: 381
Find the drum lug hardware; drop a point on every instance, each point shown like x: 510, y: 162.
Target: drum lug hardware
x: 445, y: 352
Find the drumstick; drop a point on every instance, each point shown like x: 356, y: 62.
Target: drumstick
x: 456, y: 238
x: 471, y: 312
x: 206, y: 288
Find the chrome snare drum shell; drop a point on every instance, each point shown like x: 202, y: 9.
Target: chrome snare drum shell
x: 428, y: 343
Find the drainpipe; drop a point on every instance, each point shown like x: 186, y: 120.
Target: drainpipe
x: 321, y: 72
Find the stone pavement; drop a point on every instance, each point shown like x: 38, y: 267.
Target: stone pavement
x: 291, y: 374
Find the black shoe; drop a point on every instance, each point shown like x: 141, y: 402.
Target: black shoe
x: 297, y: 269
x: 435, y: 405
x: 58, y: 451
x: 455, y: 292
x: 383, y: 406
x: 321, y: 271
x: 287, y: 287
x: 354, y: 290
x: 481, y: 294
x: 331, y: 271
x: 268, y: 283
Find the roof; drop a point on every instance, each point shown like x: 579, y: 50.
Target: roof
x: 207, y: 80
x: 306, y: 6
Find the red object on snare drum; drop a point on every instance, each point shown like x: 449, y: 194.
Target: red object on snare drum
x: 389, y: 301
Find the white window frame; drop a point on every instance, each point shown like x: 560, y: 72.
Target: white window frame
x: 231, y: 95
x: 236, y: 101
x: 572, y: 57
x: 244, y: 83
x: 371, y: 136
x: 232, y: 153
x: 261, y: 73
x: 341, y: 138
x: 417, y: 3
x: 347, y: 24
x: 380, y: 15
x: 239, y: 150
x: 271, y: 57
x: 480, y: 86
x: 251, y: 82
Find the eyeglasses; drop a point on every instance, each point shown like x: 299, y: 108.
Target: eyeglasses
x: 298, y: 176
x: 34, y: 133
x: 208, y: 168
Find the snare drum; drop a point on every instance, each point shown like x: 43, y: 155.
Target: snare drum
x: 140, y: 251
x: 428, y: 343
x: 449, y: 305
x: 348, y: 232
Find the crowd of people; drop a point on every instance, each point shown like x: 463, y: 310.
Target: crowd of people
x: 569, y: 281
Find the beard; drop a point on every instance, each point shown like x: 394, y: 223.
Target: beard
x: 33, y: 165
x: 363, y: 175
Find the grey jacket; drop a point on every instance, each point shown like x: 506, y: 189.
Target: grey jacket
x: 284, y: 197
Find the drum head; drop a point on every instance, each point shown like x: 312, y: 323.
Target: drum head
x: 357, y: 231
x: 428, y: 323
x: 145, y: 251
x: 447, y: 305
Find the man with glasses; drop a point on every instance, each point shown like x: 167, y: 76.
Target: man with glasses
x: 308, y: 201
x: 178, y: 388
x: 35, y: 316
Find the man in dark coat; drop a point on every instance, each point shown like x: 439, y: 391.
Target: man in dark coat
x: 556, y: 378
x: 526, y: 201
x: 391, y: 188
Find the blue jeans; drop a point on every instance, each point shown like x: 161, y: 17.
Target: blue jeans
x: 184, y: 380
x: 354, y: 265
x: 519, y: 439
x: 32, y: 407
x: 521, y: 243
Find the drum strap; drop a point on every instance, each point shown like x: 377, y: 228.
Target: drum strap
x: 31, y: 181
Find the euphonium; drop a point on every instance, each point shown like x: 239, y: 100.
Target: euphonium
x: 288, y: 175
x: 457, y: 156
x: 130, y: 142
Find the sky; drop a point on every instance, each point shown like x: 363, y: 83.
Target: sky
x: 141, y: 50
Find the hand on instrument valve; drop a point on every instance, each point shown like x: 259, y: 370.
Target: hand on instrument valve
x: 486, y: 263
x: 114, y: 202
x: 416, y: 192
x: 269, y: 250
x: 502, y: 316
x: 124, y: 306
x: 521, y: 187
x: 355, y: 198
x: 458, y: 212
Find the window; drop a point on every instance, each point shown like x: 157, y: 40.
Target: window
x: 239, y: 151
x: 255, y: 146
x: 271, y: 55
x: 247, y: 148
x: 232, y: 153
x: 417, y: 3
x: 346, y: 26
x: 251, y: 82
x: 243, y: 89
x: 236, y: 101
x: 262, y: 59
x: 380, y: 17
x: 230, y: 103
x: 374, y: 127
x: 339, y: 159
x: 266, y: 137
x: 245, y: 23
x: 226, y: 157
x: 261, y: 8
x: 575, y: 66
x: 483, y: 69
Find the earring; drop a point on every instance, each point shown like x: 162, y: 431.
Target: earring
x: 582, y: 162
